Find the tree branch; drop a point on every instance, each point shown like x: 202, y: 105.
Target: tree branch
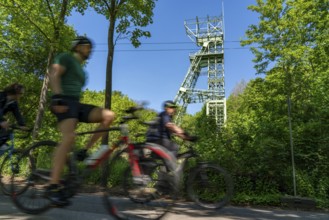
x: 61, y: 18
x: 51, y: 13
x: 32, y: 22
x: 107, y: 5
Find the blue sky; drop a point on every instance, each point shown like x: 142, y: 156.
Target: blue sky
x: 149, y: 74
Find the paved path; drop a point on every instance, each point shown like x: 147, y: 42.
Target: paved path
x: 87, y: 207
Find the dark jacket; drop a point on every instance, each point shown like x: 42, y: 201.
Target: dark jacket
x: 10, y: 106
x: 160, y: 131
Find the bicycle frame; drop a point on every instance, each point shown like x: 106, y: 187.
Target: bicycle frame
x: 11, y: 134
x: 9, y: 162
x: 185, y: 156
x: 9, y: 152
x: 124, y: 141
x: 72, y: 179
x: 11, y: 148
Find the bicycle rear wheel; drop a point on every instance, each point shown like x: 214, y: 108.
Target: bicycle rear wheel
x: 210, y: 186
x: 8, y: 166
x: 34, y: 170
x: 128, y: 197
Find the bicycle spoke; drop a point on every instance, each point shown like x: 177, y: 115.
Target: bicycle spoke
x: 129, y: 197
x: 8, y: 166
x: 210, y: 186
x: 34, y: 168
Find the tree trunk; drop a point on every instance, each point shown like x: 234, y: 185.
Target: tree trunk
x: 109, y: 67
x: 108, y: 88
x: 43, y: 97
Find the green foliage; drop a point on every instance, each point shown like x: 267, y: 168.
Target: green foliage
x: 254, y: 145
x: 29, y: 30
x: 290, y: 44
x: 288, y: 36
x: 130, y: 17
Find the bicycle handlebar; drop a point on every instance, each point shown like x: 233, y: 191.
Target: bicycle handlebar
x: 13, y: 127
x: 133, y: 109
x: 99, y: 130
x: 190, y: 138
x: 17, y: 127
x: 126, y: 118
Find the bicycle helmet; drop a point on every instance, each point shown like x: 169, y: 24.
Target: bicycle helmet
x: 169, y: 104
x: 80, y: 40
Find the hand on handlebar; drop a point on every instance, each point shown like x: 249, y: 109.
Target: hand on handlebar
x: 192, y: 138
x: 189, y: 137
x: 24, y: 128
x: 20, y: 127
x: 4, y: 125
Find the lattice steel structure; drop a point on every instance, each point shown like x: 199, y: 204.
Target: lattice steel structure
x: 207, y: 33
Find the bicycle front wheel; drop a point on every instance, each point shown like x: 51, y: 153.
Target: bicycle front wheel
x: 210, y: 186
x: 8, y: 166
x: 33, y: 170
x: 128, y: 197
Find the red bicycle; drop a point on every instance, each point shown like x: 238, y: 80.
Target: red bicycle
x: 35, y: 163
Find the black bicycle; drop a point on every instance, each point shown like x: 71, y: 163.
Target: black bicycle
x: 9, y: 161
x: 35, y: 166
x: 207, y: 184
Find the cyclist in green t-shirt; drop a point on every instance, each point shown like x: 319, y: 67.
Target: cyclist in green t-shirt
x: 67, y: 78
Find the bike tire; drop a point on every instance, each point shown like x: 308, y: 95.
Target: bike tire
x: 210, y: 186
x: 126, y: 199
x: 8, y: 166
x: 34, y: 165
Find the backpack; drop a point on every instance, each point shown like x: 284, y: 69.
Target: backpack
x: 152, y: 133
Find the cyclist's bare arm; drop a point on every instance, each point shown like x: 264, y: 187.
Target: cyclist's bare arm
x: 56, y: 71
x: 175, y: 129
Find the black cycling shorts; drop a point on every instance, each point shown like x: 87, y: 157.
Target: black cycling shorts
x: 75, y: 109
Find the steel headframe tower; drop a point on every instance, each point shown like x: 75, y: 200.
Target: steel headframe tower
x: 207, y: 33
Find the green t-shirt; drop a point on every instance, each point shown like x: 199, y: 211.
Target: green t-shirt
x: 74, y: 78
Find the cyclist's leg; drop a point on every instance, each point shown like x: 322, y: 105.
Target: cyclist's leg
x: 130, y: 199
x: 93, y: 114
x: 162, y: 184
x: 31, y: 176
x: 170, y: 145
x: 67, y: 128
x: 7, y: 167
